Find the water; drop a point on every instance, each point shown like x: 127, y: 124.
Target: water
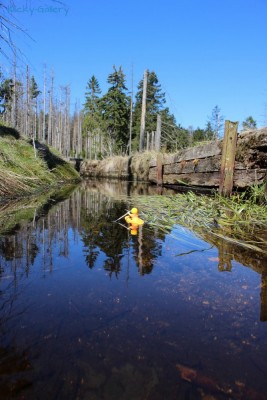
x: 89, y: 311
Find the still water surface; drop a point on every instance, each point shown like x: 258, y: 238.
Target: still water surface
x: 90, y: 312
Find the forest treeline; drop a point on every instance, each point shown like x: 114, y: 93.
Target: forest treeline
x: 106, y: 124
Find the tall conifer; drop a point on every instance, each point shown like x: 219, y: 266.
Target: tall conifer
x: 115, y: 108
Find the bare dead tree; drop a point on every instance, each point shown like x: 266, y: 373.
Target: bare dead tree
x: 10, y: 29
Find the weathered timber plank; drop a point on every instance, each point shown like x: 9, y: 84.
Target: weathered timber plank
x: 207, y: 150
x: 192, y: 153
x: 202, y: 165
x: 242, y: 178
x: 197, y: 165
x: 196, y: 178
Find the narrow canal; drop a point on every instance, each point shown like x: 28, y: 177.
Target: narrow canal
x: 89, y: 311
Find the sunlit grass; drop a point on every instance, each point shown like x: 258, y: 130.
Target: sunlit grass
x: 238, y: 219
x: 22, y: 173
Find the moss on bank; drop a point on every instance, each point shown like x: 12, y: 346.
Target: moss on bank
x: 25, y: 169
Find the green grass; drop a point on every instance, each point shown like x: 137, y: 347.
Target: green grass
x: 239, y: 219
x: 23, y: 173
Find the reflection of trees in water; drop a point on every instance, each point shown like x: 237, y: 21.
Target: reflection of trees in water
x: 90, y: 250
x: 88, y: 213
x: 113, y: 265
x: 14, y: 367
x: 14, y: 364
x: 42, y: 236
x: 147, y: 248
x: 18, y: 251
x: 99, y: 233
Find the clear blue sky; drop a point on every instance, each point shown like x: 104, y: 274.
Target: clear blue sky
x: 204, y: 52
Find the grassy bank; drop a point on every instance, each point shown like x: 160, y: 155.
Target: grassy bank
x: 25, y: 170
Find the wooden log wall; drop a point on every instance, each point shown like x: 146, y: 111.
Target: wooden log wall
x: 197, y: 166
x: 200, y: 166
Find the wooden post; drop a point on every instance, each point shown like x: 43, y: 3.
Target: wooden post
x: 228, y: 158
x: 143, y: 115
x: 159, y: 169
x: 158, y: 133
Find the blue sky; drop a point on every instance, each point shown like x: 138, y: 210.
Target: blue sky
x: 205, y: 53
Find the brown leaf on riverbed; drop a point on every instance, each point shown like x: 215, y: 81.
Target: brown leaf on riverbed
x: 192, y: 375
x: 238, y: 391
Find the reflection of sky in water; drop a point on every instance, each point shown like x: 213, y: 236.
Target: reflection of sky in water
x: 90, y: 333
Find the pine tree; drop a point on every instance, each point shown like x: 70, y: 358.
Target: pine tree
x: 174, y: 136
x: 92, y: 124
x: 91, y: 106
x: 34, y: 91
x: 199, y: 135
x: 249, y: 123
x: 216, y: 122
x: 6, y: 94
x: 209, y: 133
x: 115, y: 110
x: 10, y: 93
x: 91, y: 95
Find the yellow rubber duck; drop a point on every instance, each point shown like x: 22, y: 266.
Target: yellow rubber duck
x: 134, y: 219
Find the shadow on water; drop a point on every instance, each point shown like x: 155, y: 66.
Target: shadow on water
x: 90, y: 311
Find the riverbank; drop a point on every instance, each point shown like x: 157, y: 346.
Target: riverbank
x: 28, y: 168
x: 198, y: 166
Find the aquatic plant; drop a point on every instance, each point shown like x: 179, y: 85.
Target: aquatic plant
x: 238, y: 219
